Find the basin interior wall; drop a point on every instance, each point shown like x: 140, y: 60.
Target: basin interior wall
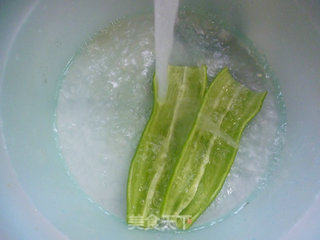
x: 37, y: 40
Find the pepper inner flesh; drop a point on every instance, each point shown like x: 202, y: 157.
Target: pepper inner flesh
x: 188, y: 146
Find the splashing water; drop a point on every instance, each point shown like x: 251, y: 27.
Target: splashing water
x: 106, y: 99
x: 165, y: 12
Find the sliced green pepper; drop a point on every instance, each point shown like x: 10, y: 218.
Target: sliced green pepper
x: 161, y: 143
x: 210, y: 150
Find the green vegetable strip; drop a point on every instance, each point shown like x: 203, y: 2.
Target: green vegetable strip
x: 211, y: 147
x: 161, y: 143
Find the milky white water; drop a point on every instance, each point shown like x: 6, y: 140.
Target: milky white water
x: 106, y: 99
x: 164, y: 21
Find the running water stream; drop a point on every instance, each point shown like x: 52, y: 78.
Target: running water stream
x: 165, y: 12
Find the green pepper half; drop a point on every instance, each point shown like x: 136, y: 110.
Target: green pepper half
x: 161, y: 143
x: 210, y: 149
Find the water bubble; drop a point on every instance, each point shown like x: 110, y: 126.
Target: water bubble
x: 106, y: 100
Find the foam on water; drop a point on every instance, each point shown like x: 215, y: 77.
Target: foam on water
x: 106, y: 99
x: 164, y: 21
